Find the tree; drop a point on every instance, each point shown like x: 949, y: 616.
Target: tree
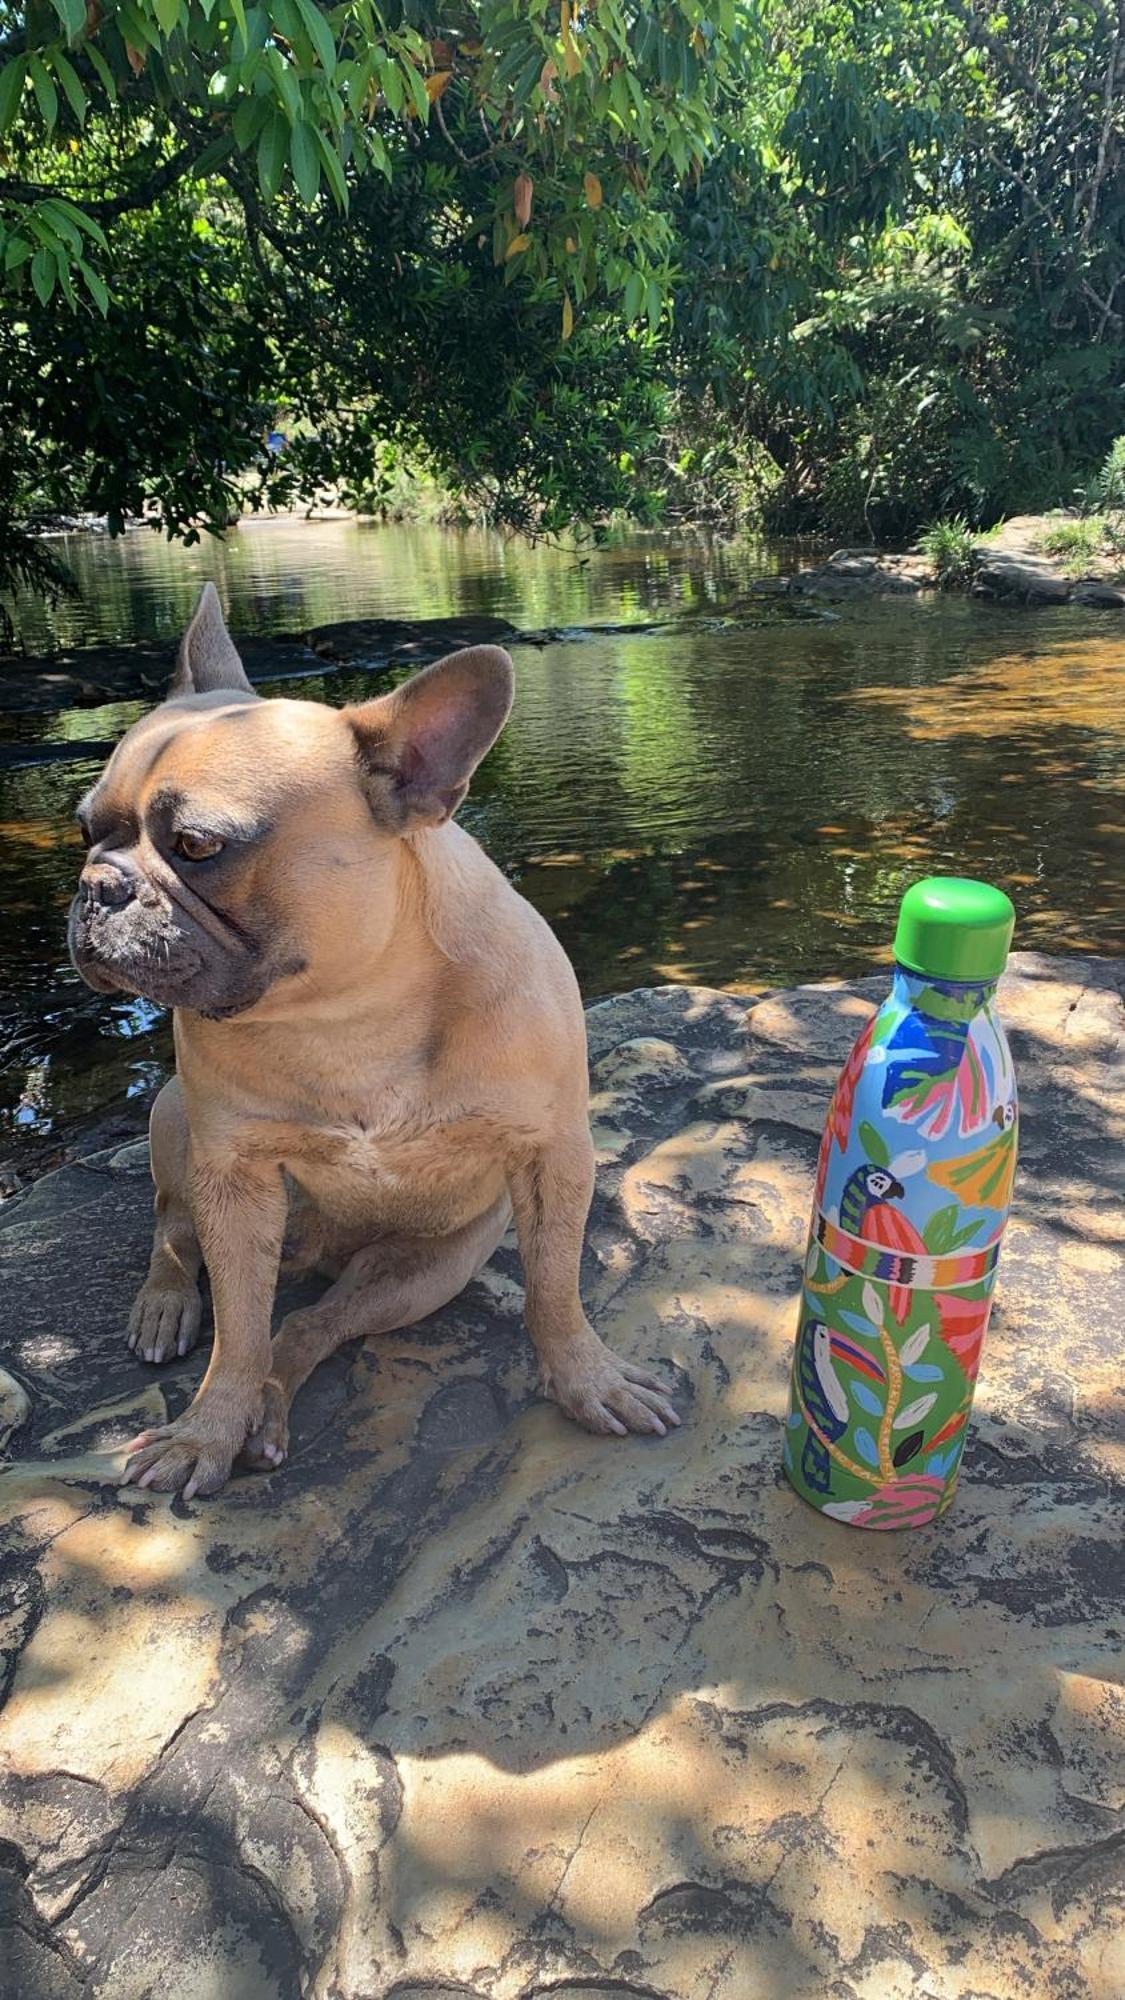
x: 904, y: 270
x: 454, y: 228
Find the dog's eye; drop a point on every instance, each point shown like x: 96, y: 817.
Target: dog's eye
x: 197, y: 846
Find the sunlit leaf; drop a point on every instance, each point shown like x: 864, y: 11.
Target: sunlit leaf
x: 46, y: 95
x: 72, y: 14
x: 320, y: 35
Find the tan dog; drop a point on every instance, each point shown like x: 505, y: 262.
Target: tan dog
x: 380, y: 1046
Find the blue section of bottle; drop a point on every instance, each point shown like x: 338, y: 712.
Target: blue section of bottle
x: 936, y: 1092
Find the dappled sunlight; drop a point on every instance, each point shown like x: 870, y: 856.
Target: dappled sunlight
x: 1079, y: 685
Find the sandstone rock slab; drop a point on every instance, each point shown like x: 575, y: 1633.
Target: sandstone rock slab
x: 465, y: 1702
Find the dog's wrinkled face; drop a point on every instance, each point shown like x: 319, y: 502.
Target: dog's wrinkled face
x: 234, y: 843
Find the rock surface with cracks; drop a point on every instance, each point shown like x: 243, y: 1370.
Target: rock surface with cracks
x: 465, y: 1702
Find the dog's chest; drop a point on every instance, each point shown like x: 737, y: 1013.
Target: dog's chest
x: 403, y: 1170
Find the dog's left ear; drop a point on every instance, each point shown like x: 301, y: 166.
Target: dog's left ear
x: 207, y: 658
x: 419, y: 746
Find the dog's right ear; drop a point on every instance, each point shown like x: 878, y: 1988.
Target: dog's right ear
x: 207, y: 659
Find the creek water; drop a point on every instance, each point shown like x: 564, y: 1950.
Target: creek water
x: 725, y: 803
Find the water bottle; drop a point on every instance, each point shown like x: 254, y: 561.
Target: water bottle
x: 913, y: 1185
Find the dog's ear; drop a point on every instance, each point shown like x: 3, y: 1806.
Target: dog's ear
x: 207, y: 659
x: 419, y: 746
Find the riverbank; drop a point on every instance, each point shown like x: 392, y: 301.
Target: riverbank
x: 1012, y: 564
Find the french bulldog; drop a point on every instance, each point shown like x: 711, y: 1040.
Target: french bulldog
x: 380, y: 1046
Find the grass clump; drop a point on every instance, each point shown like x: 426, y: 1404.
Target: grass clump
x: 1076, y: 543
x: 951, y: 547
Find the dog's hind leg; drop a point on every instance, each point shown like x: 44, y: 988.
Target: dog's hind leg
x: 391, y: 1283
x: 168, y: 1309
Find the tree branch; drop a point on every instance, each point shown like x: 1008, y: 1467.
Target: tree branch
x: 141, y: 196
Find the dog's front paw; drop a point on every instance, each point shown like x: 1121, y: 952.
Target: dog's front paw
x: 267, y: 1446
x: 195, y: 1453
x: 165, y: 1320
x: 604, y: 1394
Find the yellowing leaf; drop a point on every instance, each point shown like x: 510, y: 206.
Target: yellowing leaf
x: 522, y: 193
x: 437, y: 83
x: 567, y: 317
x: 593, y: 188
x: 517, y: 244
x: 571, y: 246
x: 136, y: 58
x: 572, y: 59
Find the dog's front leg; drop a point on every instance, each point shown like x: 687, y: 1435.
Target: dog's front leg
x: 551, y: 1192
x: 239, y: 1214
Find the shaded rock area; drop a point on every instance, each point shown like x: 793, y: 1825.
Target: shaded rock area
x: 865, y: 573
x: 88, y: 676
x: 463, y: 1701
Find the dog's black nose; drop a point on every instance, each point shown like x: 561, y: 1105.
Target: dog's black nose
x: 106, y: 886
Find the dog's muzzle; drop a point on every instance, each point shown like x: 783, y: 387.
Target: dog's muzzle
x: 107, y: 885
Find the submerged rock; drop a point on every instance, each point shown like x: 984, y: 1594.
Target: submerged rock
x: 465, y: 1701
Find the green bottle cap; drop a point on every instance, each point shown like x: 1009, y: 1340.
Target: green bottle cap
x: 952, y: 928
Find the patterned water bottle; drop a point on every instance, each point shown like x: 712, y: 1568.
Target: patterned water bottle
x: 913, y: 1186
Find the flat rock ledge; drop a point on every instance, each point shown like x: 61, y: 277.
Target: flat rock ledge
x: 465, y: 1702
x: 1009, y: 565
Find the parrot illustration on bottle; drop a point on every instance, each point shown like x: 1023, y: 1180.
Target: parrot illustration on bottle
x: 866, y: 1212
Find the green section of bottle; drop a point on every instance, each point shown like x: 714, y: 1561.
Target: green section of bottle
x: 950, y: 927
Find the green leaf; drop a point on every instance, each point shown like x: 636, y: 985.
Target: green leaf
x: 72, y: 90
x: 418, y: 91
x: 239, y: 13
x: 11, y: 89
x: 874, y: 1145
x: 305, y: 162
x: 43, y: 270
x: 168, y: 14
x: 219, y: 149
x: 45, y: 92
x: 91, y: 227
x: 393, y: 87
x: 102, y: 70
x: 938, y: 1232
x: 18, y: 251
x: 654, y: 303
x: 333, y: 169
x: 248, y: 120
x: 95, y: 285
x: 634, y: 295
x: 320, y: 35
x: 288, y: 88
x: 72, y: 14
x: 66, y: 281
x: 63, y: 220
x: 273, y: 147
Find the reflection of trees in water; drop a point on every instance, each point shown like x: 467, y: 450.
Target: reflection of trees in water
x: 726, y: 806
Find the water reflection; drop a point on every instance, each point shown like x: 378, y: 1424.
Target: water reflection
x: 729, y: 807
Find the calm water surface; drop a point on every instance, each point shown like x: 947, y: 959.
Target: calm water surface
x: 727, y: 806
